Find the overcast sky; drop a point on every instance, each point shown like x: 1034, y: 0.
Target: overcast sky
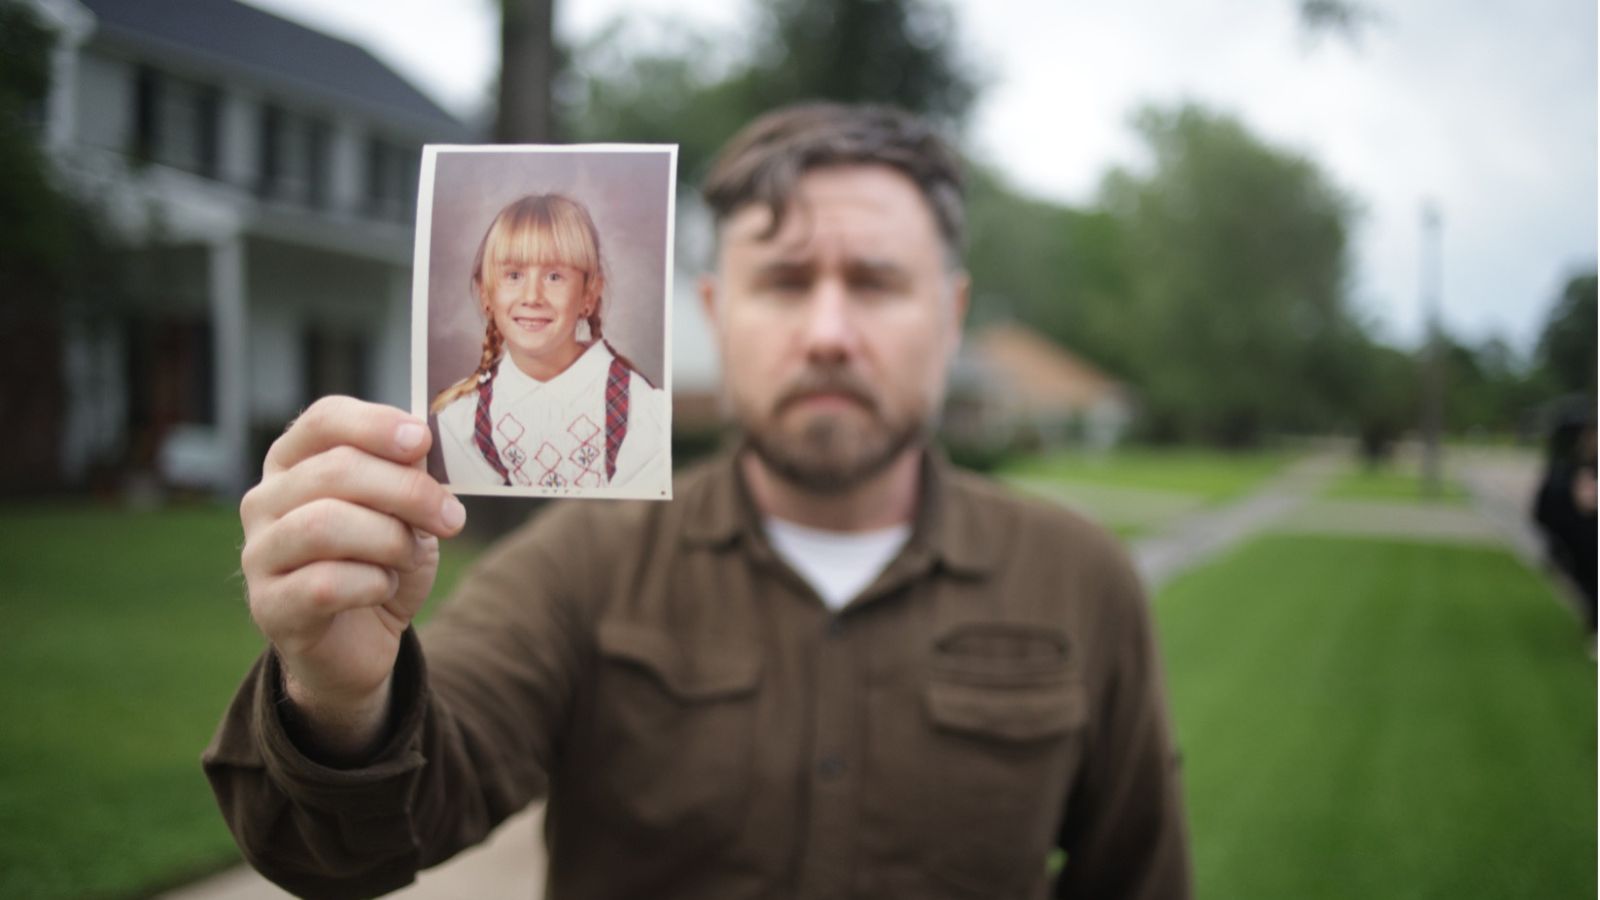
x: 1488, y: 107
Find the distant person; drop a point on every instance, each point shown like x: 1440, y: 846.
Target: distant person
x: 1565, y: 504
x: 551, y: 404
x: 833, y: 666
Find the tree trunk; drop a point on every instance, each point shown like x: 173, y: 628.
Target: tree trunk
x: 527, y: 66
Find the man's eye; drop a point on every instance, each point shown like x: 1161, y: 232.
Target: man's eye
x: 788, y: 285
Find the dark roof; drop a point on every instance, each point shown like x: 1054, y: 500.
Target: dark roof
x: 228, y: 35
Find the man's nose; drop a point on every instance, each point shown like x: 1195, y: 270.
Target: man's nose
x: 831, y: 328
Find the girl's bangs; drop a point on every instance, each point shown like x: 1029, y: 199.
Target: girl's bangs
x: 551, y: 236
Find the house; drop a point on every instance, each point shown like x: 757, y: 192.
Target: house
x: 265, y: 175
x: 1013, y: 386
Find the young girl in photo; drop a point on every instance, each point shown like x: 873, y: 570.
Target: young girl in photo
x: 551, y: 404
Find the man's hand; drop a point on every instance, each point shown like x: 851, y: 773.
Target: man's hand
x: 341, y: 549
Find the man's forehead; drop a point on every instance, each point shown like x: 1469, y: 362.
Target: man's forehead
x: 868, y: 207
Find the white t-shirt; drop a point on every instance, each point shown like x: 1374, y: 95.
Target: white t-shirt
x: 837, y: 564
x: 553, y: 433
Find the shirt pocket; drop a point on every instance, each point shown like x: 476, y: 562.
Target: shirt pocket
x: 1005, y: 710
x: 675, y: 732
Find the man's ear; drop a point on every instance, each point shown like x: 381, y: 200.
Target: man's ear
x: 707, y: 286
x: 960, y: 300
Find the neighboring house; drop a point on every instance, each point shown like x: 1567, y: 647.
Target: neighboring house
x: 1013, y: 386
x: 266, y: 174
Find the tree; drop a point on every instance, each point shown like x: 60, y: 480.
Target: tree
x: 899, y: 52
x: 58, y: 261
x: 528, y: 65
x: 1058, y: 268
x: 688, y: 91
x: 1566, y: 349
x: 1236, y: 311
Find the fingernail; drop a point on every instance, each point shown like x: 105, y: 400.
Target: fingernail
x: 452, y: 513
x: 409, y: 436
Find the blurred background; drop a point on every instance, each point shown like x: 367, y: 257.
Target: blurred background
x: 1296, y: 296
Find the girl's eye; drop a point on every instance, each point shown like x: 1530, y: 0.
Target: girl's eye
x: 513, y: 275
x: 556, y: 276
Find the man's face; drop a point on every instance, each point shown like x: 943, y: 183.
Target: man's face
x: 836, y: 333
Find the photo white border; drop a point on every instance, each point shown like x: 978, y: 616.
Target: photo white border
x: 419, y: 306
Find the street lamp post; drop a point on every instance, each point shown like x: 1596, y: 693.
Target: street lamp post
x: 1433, y: 366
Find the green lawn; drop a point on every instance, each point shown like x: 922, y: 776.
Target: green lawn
x: 1391, y: 484
x: 126, y: 634
x: 1210, y: 475
x: 1370, y: 719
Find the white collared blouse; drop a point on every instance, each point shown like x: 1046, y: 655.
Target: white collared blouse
x: 552, y: 434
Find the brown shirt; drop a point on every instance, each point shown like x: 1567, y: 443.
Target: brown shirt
x: 704, y: 727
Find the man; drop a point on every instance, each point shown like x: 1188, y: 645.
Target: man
x: 832, y: 667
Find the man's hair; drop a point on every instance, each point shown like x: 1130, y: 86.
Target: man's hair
x: 764, y: 162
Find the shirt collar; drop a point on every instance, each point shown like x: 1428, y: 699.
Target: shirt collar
x: 951, y: 526
x: 511, y: 381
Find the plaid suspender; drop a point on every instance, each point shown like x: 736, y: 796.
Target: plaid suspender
x: 616, y: 413
x: 616, y: 421
x: 482, y: 435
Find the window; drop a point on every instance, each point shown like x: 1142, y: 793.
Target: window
x: 294, y: 157
x: 392, y: 173
x: 267, y: 152
x: 176, y: 122
x: 317, y: 163
x: 335, y: 364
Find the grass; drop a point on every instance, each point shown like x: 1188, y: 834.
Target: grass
x: 1210, y: 475
x: 1391, y: 484
x: 126, y: 636
x: 1375, y: 719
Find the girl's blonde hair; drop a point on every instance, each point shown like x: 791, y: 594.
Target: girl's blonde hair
x: 536, y: 230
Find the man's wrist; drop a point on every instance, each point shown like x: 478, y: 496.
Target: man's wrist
x: 340, y: 733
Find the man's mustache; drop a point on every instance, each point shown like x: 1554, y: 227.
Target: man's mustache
x: 840, y: 382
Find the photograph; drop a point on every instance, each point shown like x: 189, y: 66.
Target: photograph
x: 540, y: 318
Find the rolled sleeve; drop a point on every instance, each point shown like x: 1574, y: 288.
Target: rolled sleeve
x: 317, y: 830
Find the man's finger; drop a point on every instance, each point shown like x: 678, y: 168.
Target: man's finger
x: 347, y: 473
x: 383, y: 431
x: 332, y: 529
x: 297, y: 605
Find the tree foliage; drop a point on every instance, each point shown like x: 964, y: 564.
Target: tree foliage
x: 36, y: 218
x: 1237, y: 258
x: 1566, y: 350
x: 1213, y: 281
x: 682, y: 87
x: 900, y: 52
x: 57, y: 260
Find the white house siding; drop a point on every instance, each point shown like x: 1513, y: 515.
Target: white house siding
x: 240, y: 139
x: 96, y: 421
x: 277, y: 369
x: 105, y: 103
x: 346, y: 177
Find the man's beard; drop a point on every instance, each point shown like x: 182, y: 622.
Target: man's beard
x: 830, y: 453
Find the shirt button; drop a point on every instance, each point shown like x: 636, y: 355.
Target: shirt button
x: 830, y: 766
x: 835, y: 627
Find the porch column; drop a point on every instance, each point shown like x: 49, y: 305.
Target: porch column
x: 229, y: 318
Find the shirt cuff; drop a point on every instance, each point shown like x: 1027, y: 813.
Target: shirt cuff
x: 379, y: 785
